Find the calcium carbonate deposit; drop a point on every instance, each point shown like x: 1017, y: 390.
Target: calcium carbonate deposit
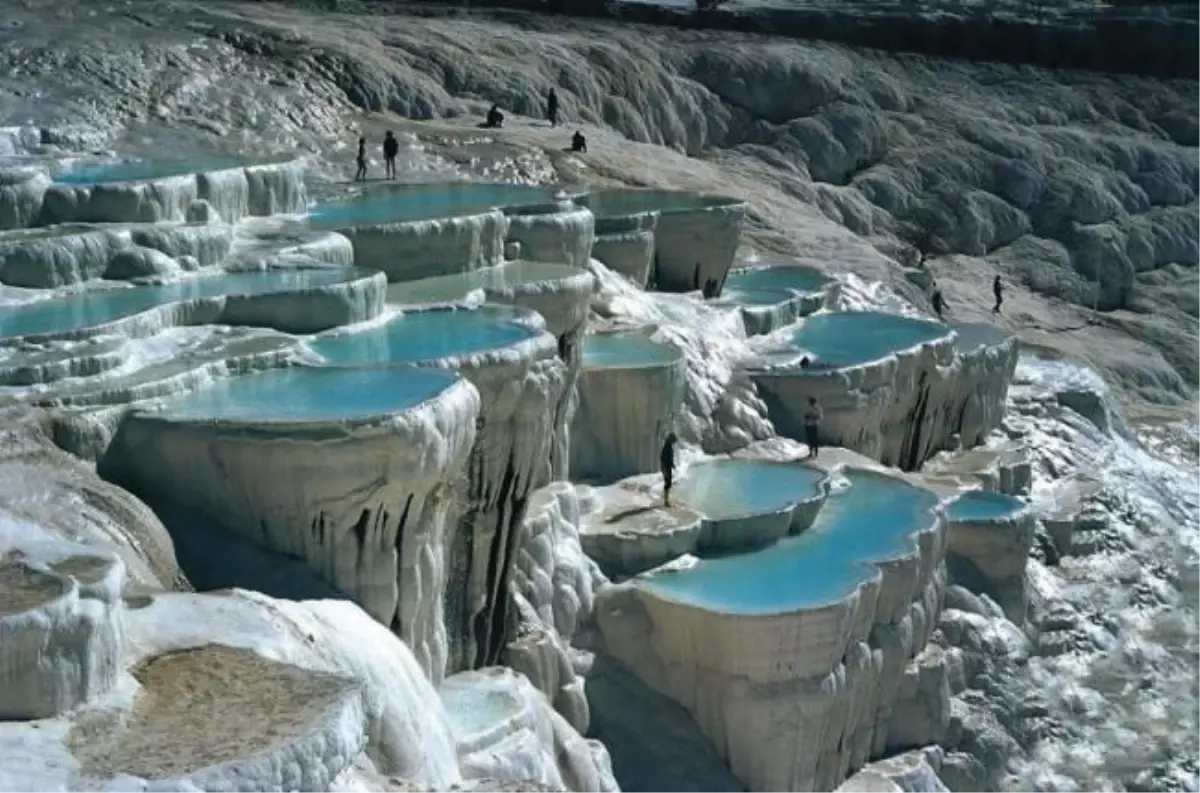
x: 826, y: 422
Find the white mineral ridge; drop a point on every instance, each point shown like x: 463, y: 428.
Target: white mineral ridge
x: 505, y: 729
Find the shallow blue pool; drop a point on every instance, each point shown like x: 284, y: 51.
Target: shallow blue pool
x: 140, y: 170
x: 97, y: 307
x: 448, y: 288
x: 310, y: 394
x: 869, y: 521
x: 851, y: 338
x: 798, y: 279
x: 403, y: 203
x: 755, y: 297
x: 626, y: 349
x: 615, y: 203
x: 973, y: 335
x: 425, y: 335
x: 722, y: 489
x: 979, y: 505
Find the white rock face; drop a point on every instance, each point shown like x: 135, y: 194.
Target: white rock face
x: 624, y: 415
x: 506, y: 730
x: 625, y: 245
x: 139, y: 262
x: 561, y: 232
x: 901, y: 409
x: 793, y: 700
x: 416, y: 249
x: 911, y: 772
x: 375, y: 530
x: 520, y: 387
x: 53, y: 258
x: 553, y: 585
x: 988, y: 556
x: 693, y: 246
x: 21, y: 192
x: 629, y: 531
x: 257, y: 190
x: 61, y: 632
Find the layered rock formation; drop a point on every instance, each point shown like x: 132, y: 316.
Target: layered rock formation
x: 895, y: 403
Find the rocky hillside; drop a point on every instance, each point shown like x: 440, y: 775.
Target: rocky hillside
x: 1079, y: 189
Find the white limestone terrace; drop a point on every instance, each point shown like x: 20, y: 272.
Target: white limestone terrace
x: 819, y: 625
x: 355, y: 458
x: 695, y: 236
x: 631, y: 390
x: 773, y: 295
x: 291, y: 300
x: 894, y: 388
x: 509, y: 356
x: 990, y: 537
x: 413, y: 231
x: 150, y: 191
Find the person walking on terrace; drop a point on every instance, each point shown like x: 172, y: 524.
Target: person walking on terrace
x: 666, y: 461
x: 552, y: 108
x: 813, y: 416
x: 998, y: 291
x: 361, y: 174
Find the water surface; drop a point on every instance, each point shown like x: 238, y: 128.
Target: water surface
x: 310, y: 394
x: 734, y: 488
x: 626, y: 349
x: 788, y: 279
x: 869, y: 521
x: 981, y: 505
x: 851, y: 338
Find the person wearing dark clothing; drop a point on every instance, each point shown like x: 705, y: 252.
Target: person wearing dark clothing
x: 578, y: 142
x: 552, y: 107
x: 495, y: 119
x: 804, y: 362
x: 361, y: 174
x: 666, y: 461
x: 939, y: 303
x: 812, y: 426
x: 998, y: 291
x: 391, y: 147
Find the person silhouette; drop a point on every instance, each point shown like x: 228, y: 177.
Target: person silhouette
x: 998, y: 292
x: 552, y: 107
x: 666, y: 461
x: 360, y: 175
x: 391, y: 147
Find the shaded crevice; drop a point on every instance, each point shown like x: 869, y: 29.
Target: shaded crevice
x: 910, y: 455
x: 396, y: 627
x: 497, y: 560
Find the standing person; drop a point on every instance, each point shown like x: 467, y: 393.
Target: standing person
x: 939, y: 302
x: 812, y: 426
x: 666, y: 461
x: 361, y: 174
x: 552, y: 107
x: 391, y: 147
x: 998, y: 291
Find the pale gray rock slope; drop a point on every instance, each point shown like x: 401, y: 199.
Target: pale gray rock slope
x: 1078, y: 188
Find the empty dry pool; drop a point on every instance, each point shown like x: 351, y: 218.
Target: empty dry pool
x: 749, y: 503
x: 988, y: 547
x: 418, y: 231
x: 299, y: 301
x: 695, y: 236
x: 630, y: 391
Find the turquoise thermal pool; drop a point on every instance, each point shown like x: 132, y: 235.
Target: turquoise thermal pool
x: 979, y: 505
x: 626, y: 350
x: 98, y: 307
x: 851, y: 338
x: 872, y: 520
x: 426, y: 335
x: 755, y: 297
x: 309, y: 395
x: 615, y: 203
x: 140, y: 170
x: 723, y: 489
x: 448, y: 288
x: 406, y: 203
x: 970, y: 336
x: 777, y: 278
